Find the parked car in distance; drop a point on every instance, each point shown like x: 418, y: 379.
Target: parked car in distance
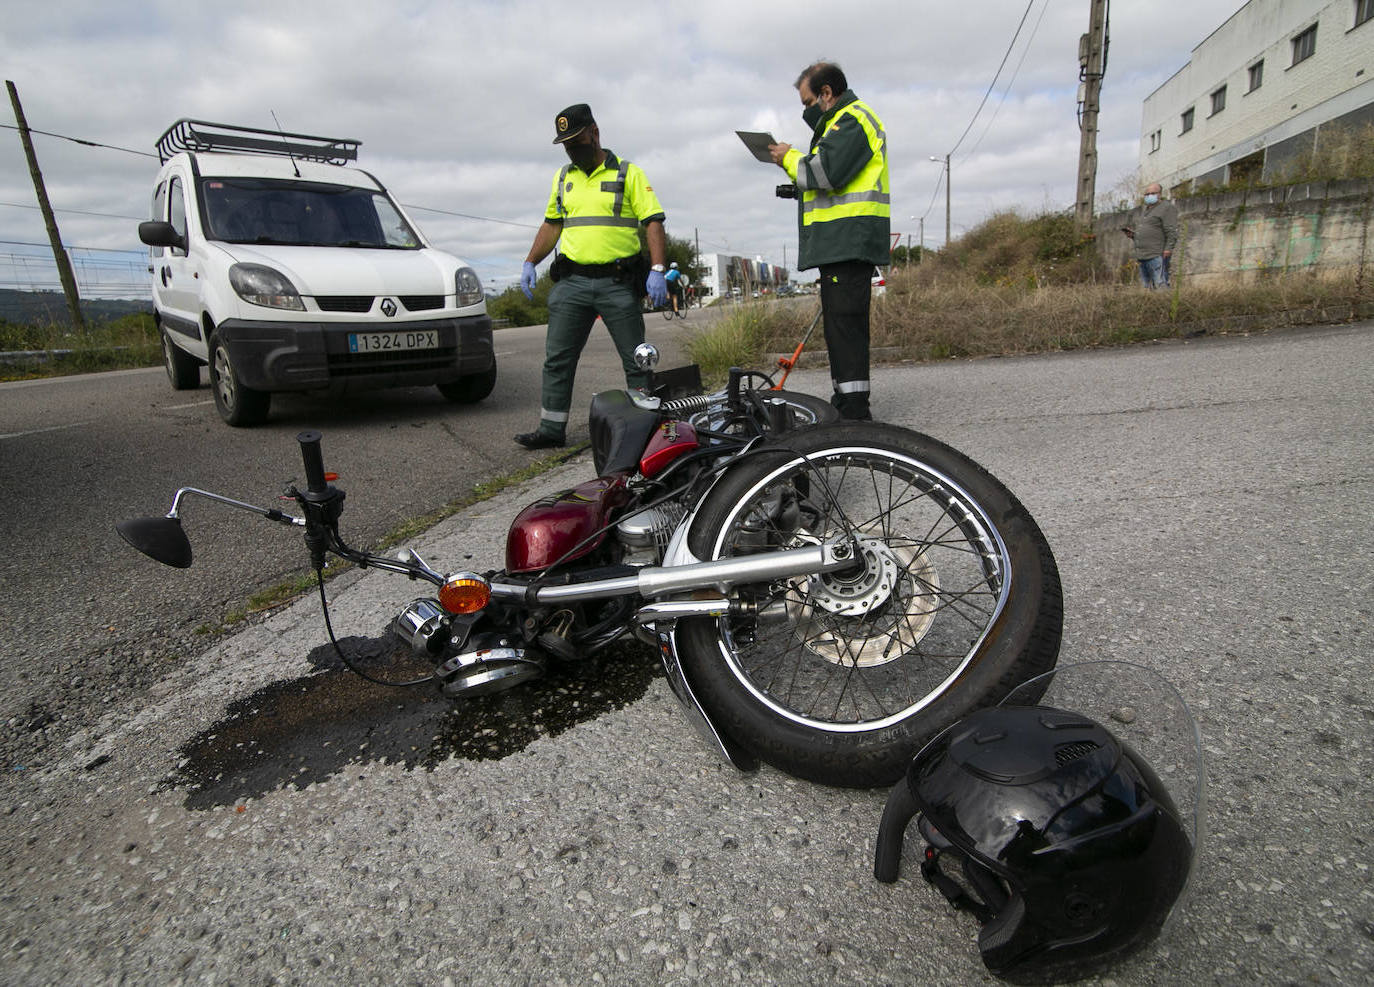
x: 282, y: 269
x: 878, y: 282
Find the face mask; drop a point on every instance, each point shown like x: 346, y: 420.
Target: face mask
x: 812, y: 115
x: 582, y: 155
x: 1151, y: 199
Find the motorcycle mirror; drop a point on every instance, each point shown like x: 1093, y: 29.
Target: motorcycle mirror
x: 160, y: 538
x: 646, y: 356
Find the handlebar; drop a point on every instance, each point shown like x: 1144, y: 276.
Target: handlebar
x: 314, y: 462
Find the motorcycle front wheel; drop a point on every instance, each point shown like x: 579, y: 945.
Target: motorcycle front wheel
x: 841, y: 677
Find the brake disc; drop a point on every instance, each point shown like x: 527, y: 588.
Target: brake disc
x: 871, y: 615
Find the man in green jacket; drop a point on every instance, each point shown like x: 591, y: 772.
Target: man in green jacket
x: 844, y: 219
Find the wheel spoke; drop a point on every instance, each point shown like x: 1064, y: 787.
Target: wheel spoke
x: 865, y: 644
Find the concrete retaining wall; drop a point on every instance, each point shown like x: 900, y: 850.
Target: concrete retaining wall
x: 1322, y: 227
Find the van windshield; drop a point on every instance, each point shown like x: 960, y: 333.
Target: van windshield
x: 303, y: 214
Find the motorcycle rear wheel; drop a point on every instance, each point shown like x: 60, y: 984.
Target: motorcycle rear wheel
x: 803, y: 410
x: 841, y: 677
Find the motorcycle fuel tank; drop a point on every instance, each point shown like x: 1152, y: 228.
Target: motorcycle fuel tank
x: 670, y: 440
x: 547, y: 530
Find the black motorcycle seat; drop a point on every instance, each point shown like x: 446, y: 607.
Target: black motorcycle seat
x: 620, y: 430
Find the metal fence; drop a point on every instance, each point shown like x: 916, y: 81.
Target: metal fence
x: 100, y: 272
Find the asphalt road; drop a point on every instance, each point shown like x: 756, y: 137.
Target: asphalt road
x: 256, y: 816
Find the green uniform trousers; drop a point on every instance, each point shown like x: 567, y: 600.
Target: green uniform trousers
x: 574, y: 304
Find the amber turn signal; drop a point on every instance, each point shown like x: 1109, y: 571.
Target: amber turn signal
x: 464, y: 592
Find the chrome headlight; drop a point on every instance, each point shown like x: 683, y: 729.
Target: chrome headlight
x: 468, y: 286
x: 259, y: 285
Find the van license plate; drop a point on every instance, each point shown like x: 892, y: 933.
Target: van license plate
x: 381, y: 342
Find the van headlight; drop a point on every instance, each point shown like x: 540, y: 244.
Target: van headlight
x: 260, y: 285
x: 468, y: 287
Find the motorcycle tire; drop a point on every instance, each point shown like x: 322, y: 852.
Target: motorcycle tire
x: 803, y: 409
x: 840, y: 678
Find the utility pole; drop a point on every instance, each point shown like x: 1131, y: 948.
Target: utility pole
x: 949, y: 180
x: 64, y: 264
x: 1092, y: 64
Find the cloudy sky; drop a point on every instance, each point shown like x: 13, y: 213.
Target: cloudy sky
x: 454, y: 102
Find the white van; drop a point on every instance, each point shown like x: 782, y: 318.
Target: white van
x: 282, y: 269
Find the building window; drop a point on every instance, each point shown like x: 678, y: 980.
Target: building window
x: 1305, y: 45
x: 1257, y: 73
x: 1187, y: 120
x: 1155, y: 139
x: 1218, y: 101
x: 1364, y: 10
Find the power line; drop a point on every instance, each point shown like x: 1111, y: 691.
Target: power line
x: 77, y: 212
x: 146, y: 154
x: 463, y: 215
x: 78, y: 140
x: 1024, y: 52
x: 994, y: 78
x: 939, y: 182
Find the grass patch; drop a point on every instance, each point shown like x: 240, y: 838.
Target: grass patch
x: 741, y: 338
x: 129, y: 341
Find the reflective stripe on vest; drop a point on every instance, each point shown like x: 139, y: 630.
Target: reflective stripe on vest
x: 617, y: 208
x: 868, y: 194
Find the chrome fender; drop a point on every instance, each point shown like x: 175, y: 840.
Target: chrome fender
x: 657, y: 624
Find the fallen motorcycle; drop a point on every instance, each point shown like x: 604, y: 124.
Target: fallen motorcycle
x: 824, y: 596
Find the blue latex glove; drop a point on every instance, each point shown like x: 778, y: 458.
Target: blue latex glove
x: 528, y: 276
x: 657, y: 286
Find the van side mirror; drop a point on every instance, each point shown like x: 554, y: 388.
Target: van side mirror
x: 156, y: 233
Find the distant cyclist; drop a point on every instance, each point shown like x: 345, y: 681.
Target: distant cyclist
x: 677, y: 285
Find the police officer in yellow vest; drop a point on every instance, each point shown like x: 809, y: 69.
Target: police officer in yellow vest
x: 597, y: 203
x: 844, y: 217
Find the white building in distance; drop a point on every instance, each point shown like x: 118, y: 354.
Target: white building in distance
x: 1260, y: 90
x: 724, y: 274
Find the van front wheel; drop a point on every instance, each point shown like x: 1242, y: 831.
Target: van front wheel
x: 238, y: 405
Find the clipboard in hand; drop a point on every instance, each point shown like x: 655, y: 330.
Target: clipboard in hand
x: 757, y: 144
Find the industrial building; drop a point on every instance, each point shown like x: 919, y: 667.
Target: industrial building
x: 1259, y: 91
x: 725, y: 275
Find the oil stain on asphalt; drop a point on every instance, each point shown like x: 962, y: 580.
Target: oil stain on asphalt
x: 298, y: 732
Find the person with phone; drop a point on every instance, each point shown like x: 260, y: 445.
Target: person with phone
x: 1155, y: 234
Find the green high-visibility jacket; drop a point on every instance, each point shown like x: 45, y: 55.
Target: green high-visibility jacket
x: 844, y: 206
x: 600, y: 212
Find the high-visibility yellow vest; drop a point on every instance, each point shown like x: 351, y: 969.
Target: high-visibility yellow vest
x: 849, y: 222
x: 600, y: 213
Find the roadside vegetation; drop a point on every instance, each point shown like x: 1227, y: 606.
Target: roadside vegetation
x: 1016, y: 285
x: 58, y: 350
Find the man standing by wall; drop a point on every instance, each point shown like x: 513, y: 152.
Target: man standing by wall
x: 1156, y: 235
x: 595, y: 207
x: 844, y: 217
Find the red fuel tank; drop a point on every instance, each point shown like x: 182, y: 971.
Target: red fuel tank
x: 670, y: 440
x: 546, y: 530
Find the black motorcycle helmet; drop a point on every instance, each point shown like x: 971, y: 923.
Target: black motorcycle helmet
x: 1072, y: 850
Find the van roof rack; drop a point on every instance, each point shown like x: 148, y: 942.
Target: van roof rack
x: 202, y: 135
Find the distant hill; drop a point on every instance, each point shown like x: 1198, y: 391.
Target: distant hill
x: 43, y: 307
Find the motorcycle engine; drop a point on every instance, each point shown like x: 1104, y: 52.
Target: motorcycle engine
x: 645, y: 534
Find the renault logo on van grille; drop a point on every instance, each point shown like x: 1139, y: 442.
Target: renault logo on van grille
x: 388, y: 307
